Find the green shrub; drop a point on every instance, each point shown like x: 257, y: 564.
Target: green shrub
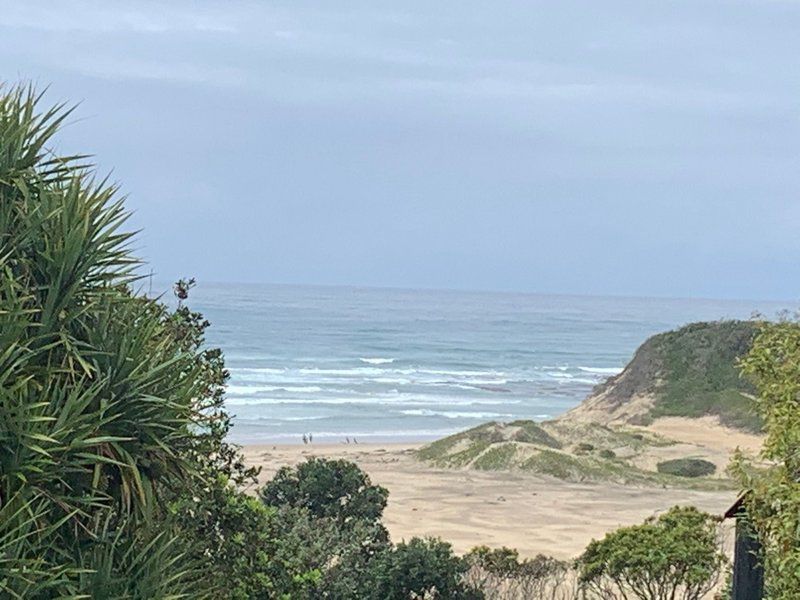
x: 326, y: 530
x: 500, y: 573
x: 326, y: 534
x: 687, y: 467
x: 677, y: 555
x: 773, y: 493
x: 584, y: 448
x: 417, y: 569
x: 327, y: 488
x: 237, y: 537
x: 327, y: 558
x: 606, y: 453
x: 503, y: 562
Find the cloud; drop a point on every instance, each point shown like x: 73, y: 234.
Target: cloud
x: 113, y: 17
x: 131, y: 68
x: 582, y: 126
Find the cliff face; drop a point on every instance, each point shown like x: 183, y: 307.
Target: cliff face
x: 688, y: 372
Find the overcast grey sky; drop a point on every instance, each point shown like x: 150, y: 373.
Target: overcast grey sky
x: 642, y: 148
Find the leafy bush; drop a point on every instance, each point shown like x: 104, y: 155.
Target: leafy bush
x: 773, y: 494
x: 327, y: 488
x: 499, y: 573
x: 687, y: 467
x: 326, y: 529
x: 241, y: 541
x: 675, y: 556
x: 584, y: 448
x: 329, y: 559
x: 607, y: 454
x: 421, y: 568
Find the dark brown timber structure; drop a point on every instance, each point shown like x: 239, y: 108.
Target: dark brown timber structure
x: 748, y: 573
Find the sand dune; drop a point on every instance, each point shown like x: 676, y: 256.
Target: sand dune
x: 468, y: 508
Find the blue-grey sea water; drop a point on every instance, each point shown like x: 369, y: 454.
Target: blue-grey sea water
x: 383, y: 364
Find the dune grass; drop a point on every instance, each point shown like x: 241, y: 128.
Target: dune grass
x: 580, y: 452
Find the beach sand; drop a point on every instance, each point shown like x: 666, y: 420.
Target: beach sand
x: 531, y: 513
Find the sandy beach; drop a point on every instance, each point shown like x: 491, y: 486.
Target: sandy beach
x: 466, y: 507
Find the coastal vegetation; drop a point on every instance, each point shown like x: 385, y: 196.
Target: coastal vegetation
x: 676, y: 555
x: 573, y: 451
x: 500, y: 573
x: 112, y: 428
x: 687, y: 467
x: 689, y: 372
x: 772, y: 492
x: 115, y: 477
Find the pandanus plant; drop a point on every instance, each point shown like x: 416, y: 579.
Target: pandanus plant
x: 108, y: 403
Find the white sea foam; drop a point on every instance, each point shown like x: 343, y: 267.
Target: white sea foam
x: 258, y: 389
x: 425, y: 412
x: 358, y: 372
x: 377, y: 361
x: 393, y: 380
x: 397, y: 400
x: 601, y: 370
x: 341, y: 435
x: 559, y: 375
x: 253, y: 401
x: 457, y: 373
x: 316, y: 375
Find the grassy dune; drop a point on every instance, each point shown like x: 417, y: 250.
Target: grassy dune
x: 565, y: 450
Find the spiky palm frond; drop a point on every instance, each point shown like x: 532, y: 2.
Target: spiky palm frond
x: 101, y: 396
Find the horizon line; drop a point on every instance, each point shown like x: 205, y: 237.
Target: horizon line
x: 401, y: 288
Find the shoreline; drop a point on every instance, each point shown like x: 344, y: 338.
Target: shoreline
x: 322, y: 440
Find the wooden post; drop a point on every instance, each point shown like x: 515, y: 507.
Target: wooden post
x: 748, y: 572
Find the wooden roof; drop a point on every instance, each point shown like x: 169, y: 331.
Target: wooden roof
x: 736, y: 509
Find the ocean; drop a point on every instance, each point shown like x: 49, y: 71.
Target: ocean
x: 389, y: 364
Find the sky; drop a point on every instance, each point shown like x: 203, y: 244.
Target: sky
x: 647, y: 148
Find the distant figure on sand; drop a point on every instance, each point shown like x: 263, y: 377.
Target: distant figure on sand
x: 305, y: 439
x: 310, y: 438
